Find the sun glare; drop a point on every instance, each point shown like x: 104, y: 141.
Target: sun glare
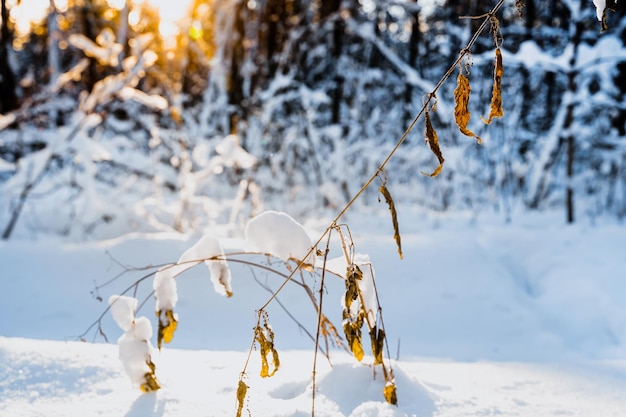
x: 25, y: 13
x: 171, y: 15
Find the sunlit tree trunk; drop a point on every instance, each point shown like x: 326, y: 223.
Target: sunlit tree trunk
x: 122, y: 31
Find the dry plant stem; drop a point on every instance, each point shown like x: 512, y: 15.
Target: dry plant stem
x: 382, y: 322
x: 319, y: 324
x: 347, y: 254
x: 380, y: 169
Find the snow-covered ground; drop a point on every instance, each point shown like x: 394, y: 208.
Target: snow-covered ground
x: 524, y: 319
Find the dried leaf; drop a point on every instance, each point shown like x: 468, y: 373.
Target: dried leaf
x: 461, y: 110
x: 352, y: 330
x: 353, y: 274
x: 242, y: 390
x: 265, y: 337
x: 394, y: 217
x: 496, y: 96
x: 377, y: 337
x: 390, y: 393
x: 352, y: 324
x: 433, y: 142
x: 151, y: 384
x: 167, y: 326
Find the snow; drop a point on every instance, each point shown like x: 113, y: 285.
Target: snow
x: 123, y: 310
x: 278, y: 234
x: 6, y: 166
x: 600, y: 8
x: 482, y: 319
x: 208, y: 246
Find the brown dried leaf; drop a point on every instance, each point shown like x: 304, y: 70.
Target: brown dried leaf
x: 433, y: 142
x: 394, y: 217
x: 242, y: 390
x: 461, y: 110
x: 496, y: 96
x: 167, y: 327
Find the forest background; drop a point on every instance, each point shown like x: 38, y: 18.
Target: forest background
x: 137, y: 116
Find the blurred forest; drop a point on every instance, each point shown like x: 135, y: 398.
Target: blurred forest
x: 120, y: 116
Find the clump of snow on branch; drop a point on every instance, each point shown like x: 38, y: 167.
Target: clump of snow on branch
x: 165, y: 289
x: 207, y: 247
x: 135, y: 349
x: 600, y: 8
x: 220, y: 272
x: 278, y: 234
x: 123, y: 310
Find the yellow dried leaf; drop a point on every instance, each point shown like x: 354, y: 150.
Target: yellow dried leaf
x: 265, y: 337
x: 461, y: 111
x: 352, y: 330
x: 150, y: 384
x: 389, y: 393
x: 394, y: 217
x: 167, y: 327
x: 353, y: 336
x: 433, y: 141
x: 496, y: 96
x: 242, y: 390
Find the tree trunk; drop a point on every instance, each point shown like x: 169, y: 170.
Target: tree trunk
x: 8, y: 83
x: 337, y: 93
x: 569, y: 118
x: 414, y: 41
x: 87, y: 18
x: 235, y: 80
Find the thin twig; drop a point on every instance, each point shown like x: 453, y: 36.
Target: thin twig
x: 320, y: 316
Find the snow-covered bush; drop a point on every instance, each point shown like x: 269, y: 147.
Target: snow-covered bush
x: 279, y: 237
